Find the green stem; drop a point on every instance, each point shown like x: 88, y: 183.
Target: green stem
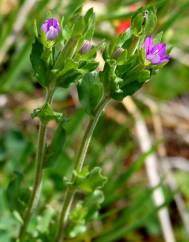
x: 70, y: 191
x: 39, y: 172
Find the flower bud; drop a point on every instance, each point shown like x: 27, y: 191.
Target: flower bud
x: 123, y: 26
x: 86, y: 47
x: 117, y: 53
x: 51, y: 28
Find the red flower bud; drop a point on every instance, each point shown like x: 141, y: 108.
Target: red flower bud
x: 123, y: 26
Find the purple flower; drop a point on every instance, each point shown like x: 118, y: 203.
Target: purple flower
x: 156, y: 54
x: 51, y: 27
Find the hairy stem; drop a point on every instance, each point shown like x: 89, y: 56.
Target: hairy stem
x: 39, y: 172
x: 70, y: 191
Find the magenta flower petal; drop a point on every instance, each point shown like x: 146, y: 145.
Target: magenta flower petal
x: 148, y: 44
x: 159, y: 48
x: 164, y: 59
x: 52, y: 33
x: 154, y: 59
x: 156, y: 54
x: 44, y: 27
x: 51, y: 27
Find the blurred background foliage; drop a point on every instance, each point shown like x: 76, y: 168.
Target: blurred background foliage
x: 128, y: 212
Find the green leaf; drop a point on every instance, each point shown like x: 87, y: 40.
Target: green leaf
x: 69, y: 77
x: 67, y: 30
x: 90, y: 91
x: 109, y: 78
x: 138, y: 74
x: 39, y: 66
x: 69, y: 65
x: 124, y: 37
x: 55, y: 148
x: 89, y: 181
x: 127, y: 90
x: 67, y: 53
x: 90, y: 24
x: 79, y: 25
x: 88, y: 66
x: 143, y: 76
x: 131, y: 88
x: 48, y: 44
x: 132, y: 62
x: 132, y: 75
x: 46, y: 114
x: 137, y: 23
x: 150, y: 21
x: 144, y: 21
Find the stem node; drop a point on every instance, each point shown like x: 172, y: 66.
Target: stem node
x: 70, y: 191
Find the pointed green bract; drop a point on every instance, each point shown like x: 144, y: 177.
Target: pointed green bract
x: 38, y: 64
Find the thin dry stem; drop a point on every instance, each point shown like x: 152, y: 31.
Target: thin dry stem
x: 151, y: 164
x: 165, y: 164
